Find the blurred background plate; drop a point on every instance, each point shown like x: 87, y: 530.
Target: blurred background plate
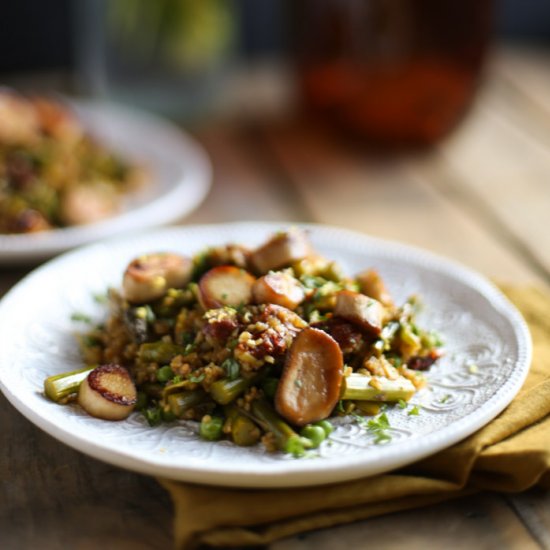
x: 180, y: 176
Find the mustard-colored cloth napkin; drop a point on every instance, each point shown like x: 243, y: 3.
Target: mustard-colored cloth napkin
x: 510, y: 454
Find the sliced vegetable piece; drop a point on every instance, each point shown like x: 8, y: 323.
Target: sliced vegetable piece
x: 281, y: 250
x: 108, y: 392
x: 371, y: 284
x: 149, y: 277
x: 60, y: 386
x: 365, y: 312
x: 363, y: 387
x: 309, y: 387
x: 225, y: 285
x: 279, y: 288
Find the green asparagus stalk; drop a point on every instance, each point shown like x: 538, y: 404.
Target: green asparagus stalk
x: 60, y: 386
x: 182, y: 401
x: 244, y: 431
x: 225, y: 391
x: 358, y: 387
x: 159, y: 352
x: 287, y: 439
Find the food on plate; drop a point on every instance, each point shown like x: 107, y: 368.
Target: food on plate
x: 53, y: 173
x: 255, y: 345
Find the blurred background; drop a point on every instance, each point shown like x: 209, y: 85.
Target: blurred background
x: 334, y: 59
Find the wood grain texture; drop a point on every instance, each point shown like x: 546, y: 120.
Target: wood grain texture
x: 483, y: 522
x: 389, y: 198
x: 54, y: 498
x: 500, y: 157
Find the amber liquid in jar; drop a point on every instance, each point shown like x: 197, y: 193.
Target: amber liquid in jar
x: 399, y: 73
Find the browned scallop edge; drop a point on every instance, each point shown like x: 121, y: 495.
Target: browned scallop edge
x: 94, y: 381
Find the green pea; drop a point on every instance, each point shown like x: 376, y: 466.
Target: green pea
x: 326, y: 425
x: 315, y: 434
x: 211, y: 427
x: 164, y: 374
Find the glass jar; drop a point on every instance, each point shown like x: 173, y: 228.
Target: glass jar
x: 399, y: 73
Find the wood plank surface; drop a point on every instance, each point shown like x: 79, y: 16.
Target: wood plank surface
x: 484, y: 522
x: 390, y: 198
x: 500, y: 157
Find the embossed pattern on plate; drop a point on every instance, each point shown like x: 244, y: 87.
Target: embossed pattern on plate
x: 487, y: 356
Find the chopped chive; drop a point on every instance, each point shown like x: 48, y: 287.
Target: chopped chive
x: 82, y: 317
x: 197, y: 379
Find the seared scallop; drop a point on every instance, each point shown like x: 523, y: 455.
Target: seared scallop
x: 279, y: 288
x: 281, y: 251
x: 149, y: 277
x: 108, y: 392
x: 226, y: 285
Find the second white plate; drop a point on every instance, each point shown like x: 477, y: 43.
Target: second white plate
x: 180, y: 179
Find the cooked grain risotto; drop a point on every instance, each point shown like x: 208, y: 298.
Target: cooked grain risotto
x: 259, y: 345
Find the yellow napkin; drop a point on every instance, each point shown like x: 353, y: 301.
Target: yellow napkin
x: 512, y: 453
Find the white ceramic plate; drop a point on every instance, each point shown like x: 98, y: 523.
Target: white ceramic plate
x: 479, y: 325
x: 180, y: 178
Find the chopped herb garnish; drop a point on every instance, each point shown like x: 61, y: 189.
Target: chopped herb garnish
x: 197, y: 379
x: 378, y: 427
x: 189, y: 348
x: 298, y: 383
x: 232, y: 367
x: 445, y: 398
x: 340, y: 407
x: 312, y: 282
x: 153, y: 416
x: 100, y: 298
x: 402, y: 404
x: 415, y: 411
x: 81, y: 317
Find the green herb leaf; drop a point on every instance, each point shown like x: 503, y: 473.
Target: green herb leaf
x: 232, y: 367
x: 100, y: 298
x: 196, y: 379
x: 377, y: 426
x: 76, y: 316
x: 153, y: 416
x: 415, y: 411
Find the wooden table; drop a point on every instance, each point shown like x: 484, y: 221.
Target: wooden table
x: 482, y: 197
